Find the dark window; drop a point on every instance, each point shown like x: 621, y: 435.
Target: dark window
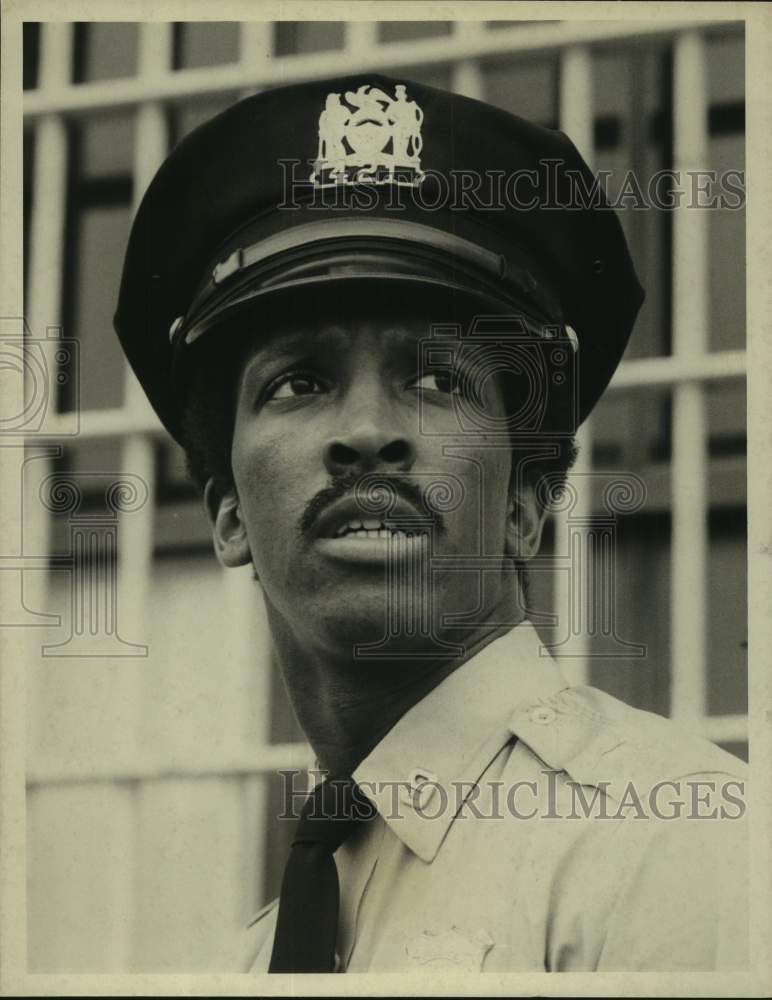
x: 407, y: 31
x: 30, y: 54
x: 206, y: 43
x: 296, y: 37
x: 105, y: 50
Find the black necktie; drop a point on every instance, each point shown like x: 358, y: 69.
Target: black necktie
x: 307, y: 924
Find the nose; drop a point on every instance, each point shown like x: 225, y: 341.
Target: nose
x: 370, y: 441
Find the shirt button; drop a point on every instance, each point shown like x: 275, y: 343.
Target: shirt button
x: 543, y: 716
x: 421, y: 785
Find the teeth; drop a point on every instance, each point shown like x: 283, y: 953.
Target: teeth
x: 356, y: 527
x: 370, y: 529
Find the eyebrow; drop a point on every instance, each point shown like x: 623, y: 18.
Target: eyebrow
x: 278, y: 345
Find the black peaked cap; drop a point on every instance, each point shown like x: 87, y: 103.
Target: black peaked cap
x: 232, y: 215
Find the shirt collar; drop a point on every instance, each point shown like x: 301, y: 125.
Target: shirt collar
x: 447, y: 739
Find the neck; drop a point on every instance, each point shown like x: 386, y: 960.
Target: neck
x: 346, y: 705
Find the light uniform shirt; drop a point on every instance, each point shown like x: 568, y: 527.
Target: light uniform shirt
x: 518, y: 829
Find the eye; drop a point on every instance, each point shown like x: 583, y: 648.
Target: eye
x: 294, y: 384
x: 444, y: 380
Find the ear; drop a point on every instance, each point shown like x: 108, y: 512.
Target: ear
x: 525, y: 523
x: 228, y: 529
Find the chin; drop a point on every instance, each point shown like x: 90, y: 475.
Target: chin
x: 362, y: 622
x: 359, y: 623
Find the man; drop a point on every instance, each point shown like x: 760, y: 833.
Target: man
x: 376, y: 364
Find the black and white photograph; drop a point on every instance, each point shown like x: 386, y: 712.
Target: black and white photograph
x: 386, y: 469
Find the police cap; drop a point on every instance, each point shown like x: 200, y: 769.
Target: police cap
x: 378, y: 179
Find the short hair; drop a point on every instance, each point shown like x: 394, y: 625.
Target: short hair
x: 208, y: 417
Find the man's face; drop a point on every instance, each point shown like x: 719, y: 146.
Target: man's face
x: 320, y: 406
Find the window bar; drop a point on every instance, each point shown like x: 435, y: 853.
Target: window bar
x: 255, y: 48
x: 244, y: 762
x: 358, y: 55
x: 255, y: 42
x: 391, y: 57
x: 135, y: 528
x: 724, y: 728
x: 640, y: 372
x: 359, y: 39
x: 46, y: 270
x: 690, y: 340
x: 249, y: 732
x: 575, y: 115
x: 467, y: 78
x: 717, y: 366
x: 43, y: 310
x: 254, y: 712
x: 138, y: 458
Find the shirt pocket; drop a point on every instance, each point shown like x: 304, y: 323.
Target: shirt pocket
x: 451, y: 948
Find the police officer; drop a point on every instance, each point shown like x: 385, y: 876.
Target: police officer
x: 374, y: 314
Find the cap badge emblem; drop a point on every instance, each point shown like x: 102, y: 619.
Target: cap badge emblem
x: 368, y: 137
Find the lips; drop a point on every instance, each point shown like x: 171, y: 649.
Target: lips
x: 345, y: 519
x: 368, y: 529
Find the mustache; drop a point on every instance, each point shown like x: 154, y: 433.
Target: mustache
x: 343, y: 486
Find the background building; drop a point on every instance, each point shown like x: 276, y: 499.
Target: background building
x: 152, y: 786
